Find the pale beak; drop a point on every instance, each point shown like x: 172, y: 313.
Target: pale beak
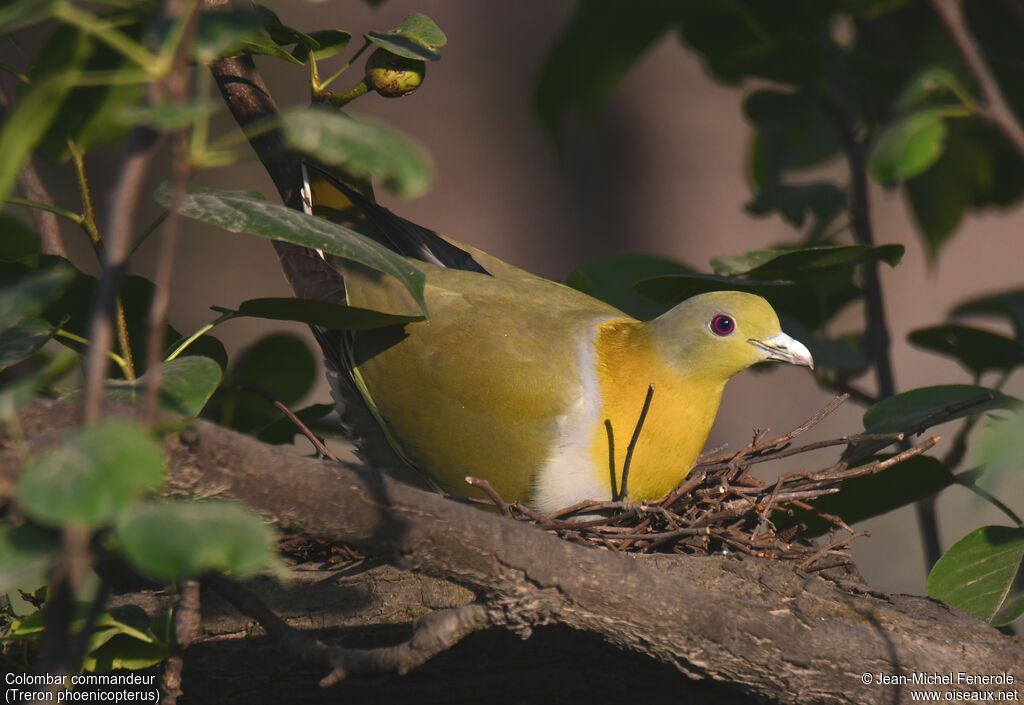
x: 782, y: 348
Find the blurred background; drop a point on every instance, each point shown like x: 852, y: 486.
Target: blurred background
x: 661, y: 170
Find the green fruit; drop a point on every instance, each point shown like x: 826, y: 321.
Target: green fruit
x: 393, y: 76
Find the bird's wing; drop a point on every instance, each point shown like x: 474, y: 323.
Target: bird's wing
x: 478, y: 388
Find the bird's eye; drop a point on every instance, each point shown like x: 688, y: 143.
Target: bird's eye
x: 723, y: 325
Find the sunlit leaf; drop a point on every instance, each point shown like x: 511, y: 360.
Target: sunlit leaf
x: 908, y: 147
x: 172, y: 541
x: 94, y: 475
x: 363, y: 149
x: 187, y: 383
x: 241, y: 212
x: 418, y: 37
x: 983, y: 574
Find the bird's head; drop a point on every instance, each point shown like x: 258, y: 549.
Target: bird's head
x: 724, y: 332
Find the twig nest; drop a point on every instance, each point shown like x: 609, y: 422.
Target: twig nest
x: 393, y: 76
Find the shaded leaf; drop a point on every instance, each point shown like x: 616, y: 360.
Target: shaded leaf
x: 22, y: 341
x: 30, y: 294
x: 613, y: 280
x: 418, y: 37
x: 121, y: 651
x: 237, y: 212
x: 221, y: 34
x: 983, y: 574
x: 187, y: 383
x: 59, y: 64
x: 869, y: 496
x: 908, y: 147
x: 933, y: 82
x: 1006, y: 304
x: 794, y: 202
x: 365, y: 150
x: 172, y: 541
x: 19, y: 242
x: 265, y: 46
x: 793, y: 262
x: 599, y: 45
x: 976, y: 349
x: 93, y: 476
x: 329, y: 42
x: 792, y: 133
x: 25, y: 554
x: 166, y: 117
x: 925, y: 407
x: 321, y: 313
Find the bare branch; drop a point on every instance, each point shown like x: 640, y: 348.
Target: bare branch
x: 993, y: 107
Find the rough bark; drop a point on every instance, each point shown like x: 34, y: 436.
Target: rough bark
x: 757, y: 626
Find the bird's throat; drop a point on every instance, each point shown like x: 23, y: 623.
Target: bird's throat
x: 677, y: 424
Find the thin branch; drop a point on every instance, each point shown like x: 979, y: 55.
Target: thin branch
x: 993, y: 107
x: 92, y: 231
x: 187, y: 621
x: 177, y: 90
x: 623, y: 491
x: 318, y: 444
x: 44, y: 215
x: 436, y: 632
x: 484, y: 485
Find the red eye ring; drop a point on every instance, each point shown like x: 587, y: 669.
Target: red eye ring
x: 722, y: 325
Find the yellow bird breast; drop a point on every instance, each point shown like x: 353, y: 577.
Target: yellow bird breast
x: 616, y: 369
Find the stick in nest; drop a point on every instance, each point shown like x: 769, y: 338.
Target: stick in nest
x: 718, y: 508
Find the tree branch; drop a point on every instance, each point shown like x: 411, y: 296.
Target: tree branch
x: 814, y: 635
x: 993, y: 107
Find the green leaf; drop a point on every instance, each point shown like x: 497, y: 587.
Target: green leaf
x: 793, y: 262
x: 942, y: 195
x: 976, y: 349
x: 173, y: 541
x: 280, y: 365
x: 870, y: 496
x: 1001, y: 446
x: 19, y: 242
x: 18, y: 14
x: 614, y: 279
x: 26, y: 552
x: 166, y: 117
x: 363, y: 149
x: 418, y: 37
x: 222, y: 34
x: 925, y: 407
x: 187, y: 383
x: 123, y: 652
x: 599, y: 45
x: 265, y: 46
x: 842, y: 354
x: 22, y: 341
x: 60, y: 64
x: 89, y: 114
x: 321, y: 313
x: 93, y: 476
x: 908, y: 147
x: 30, y: 294
x: 329, y: 43
x: 1006, y: 304
x: 792, y: 133
x: 932, y: 82
x: 795, y: 201
x: 983, y: 574
x: 241, y: 212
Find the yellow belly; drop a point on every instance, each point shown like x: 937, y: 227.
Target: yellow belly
x: 677, y: 425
